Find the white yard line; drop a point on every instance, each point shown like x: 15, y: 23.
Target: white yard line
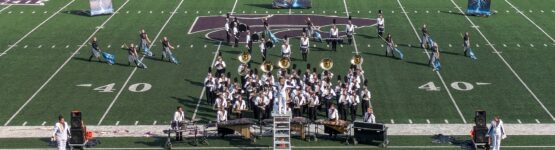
x: 62, y: 66
x: 233, y: 9
x: 213, y: 60
x: 194, y: 22
x: 356, y: 47
x: 507, y: 64
x: 1, y: 10
x: 520, y: 12
x: 437, y: 72
x: 36, y: 27
x: 135, y: 69
x: 204, y: 89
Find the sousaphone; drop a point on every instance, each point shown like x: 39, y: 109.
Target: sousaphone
x: 267, y: 66
x: 284, y: 63
x: 357, y: 60
x: 326, y: 64
x: 244, y: 57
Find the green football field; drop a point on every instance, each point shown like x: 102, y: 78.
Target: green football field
x: 45, y: 70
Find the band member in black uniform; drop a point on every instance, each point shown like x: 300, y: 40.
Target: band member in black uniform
x: 304, y: 46
x: 95, y: 51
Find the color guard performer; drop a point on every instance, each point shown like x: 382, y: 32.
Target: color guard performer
x: 95, y: 50
x: 425, y: 37
x: 467, y: 49
x: 133, y: 56
x: 350, y: 30
x: 61, y: 133
x: 166, y: 51
x: 304, y: 46
x: 434, y: 60
x: 145, y: 43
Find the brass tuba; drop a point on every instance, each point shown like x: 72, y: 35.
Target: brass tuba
x: 357, y: 60
x: 267, y: 66
x: 244, y: 57
x: 326, y: 64
x: 284, y: 63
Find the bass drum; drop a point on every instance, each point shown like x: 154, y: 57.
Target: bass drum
x: 242, y: 27
x: 269, y: 44
x: 255, y: 37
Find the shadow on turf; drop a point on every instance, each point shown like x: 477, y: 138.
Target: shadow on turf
x: 95, y: 61
x: 196, y: 83
x: 367, y: 53
x: 267, y: 6
x: 407, y: 45
x: 418, y: 63
x: 85, y: 13
x: 368, y: 36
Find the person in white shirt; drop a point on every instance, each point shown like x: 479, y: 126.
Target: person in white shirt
x: 221, y: 115
x: 333, y: 114
x: 286, y: 49
x: 61, y: 133
x: 239, y: 106
x: 350, y: 30
x: 220, y: 66
x: 178, y: 119
x: 354, y: 100
x: 381, y: 25
x: 249, y: 41
x: 304, y: 46
x: 369, y: 116
x: 227, y: 29
x: 236, y: 34
x: 313, y: 102
x: 334, y: 35
x: 262, y: 47
x: 496, y: 133
x: 366, y: 95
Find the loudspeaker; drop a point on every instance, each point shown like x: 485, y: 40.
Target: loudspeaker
x: 76, y: 121
x: 480, y: 134
x: 480, y: 118
x: 77, y: 136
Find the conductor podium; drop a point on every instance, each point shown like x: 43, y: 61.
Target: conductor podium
x: 368, y: 133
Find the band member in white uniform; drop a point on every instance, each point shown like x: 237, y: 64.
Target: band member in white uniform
x: 496, y: 133
x: 227, y: 29
x: 221, y: 115
x: 333, y: 114
x: 369, y: 116
x: 350, y: 30
x: 61, y: 133
x: 381, y: 24
x: 334, y: 35
x: 178, y: 119
x: 95, y: 50
x: 305, y: 42
x: 236, y: 34
x: 220, y: 66
x: 366, y: 96
x: 354, y: 100
x: 239, y: 106
x: 286, y: 49
x: 281, y: 103
x: 249, y: 41
x: 262, y: 47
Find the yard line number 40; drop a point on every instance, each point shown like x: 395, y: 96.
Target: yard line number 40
x: 137, y: 87
x: 457, y: 85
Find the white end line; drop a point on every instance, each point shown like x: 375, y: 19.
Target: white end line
x: 135, y: 69
x: 507, y: 64
x: 530, y: 20
x: 62, y: 66
x: 36, y: 27
x: 437, y: 72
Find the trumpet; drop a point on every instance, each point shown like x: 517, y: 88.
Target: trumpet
x: 244, y: 57
x: 284, y: 63
x: 326, y: 64
x: 267, y: 66
x: 357, y: 60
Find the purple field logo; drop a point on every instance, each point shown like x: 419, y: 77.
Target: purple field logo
x: 281, y: 25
